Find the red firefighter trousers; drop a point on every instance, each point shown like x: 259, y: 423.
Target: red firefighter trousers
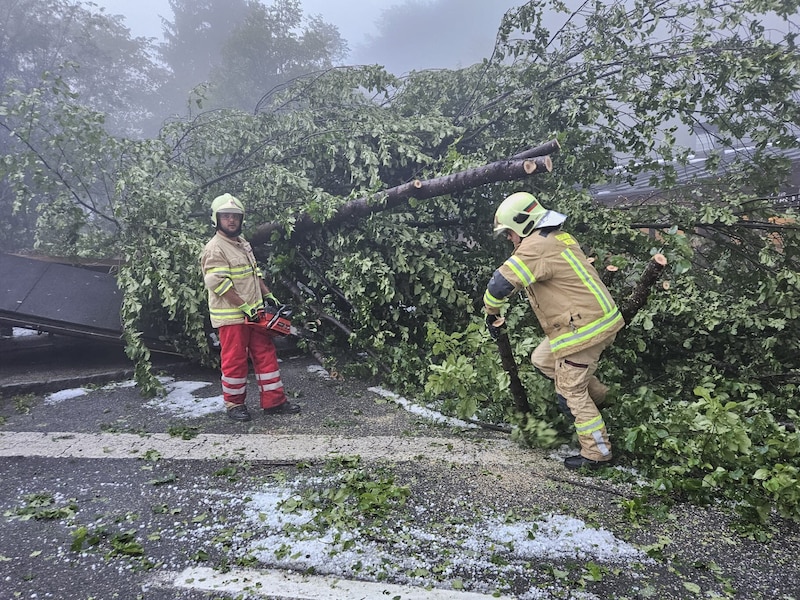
x: 237, y: 343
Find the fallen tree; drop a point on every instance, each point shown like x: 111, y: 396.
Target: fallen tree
x: 534, y: 161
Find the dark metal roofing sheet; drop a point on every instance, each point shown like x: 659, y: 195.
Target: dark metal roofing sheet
x: 51, y: 293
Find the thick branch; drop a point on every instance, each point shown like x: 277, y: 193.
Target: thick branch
x: 503, y: 170
x: 510, y: 366
x: 333, y: 288
x: 641, y: 292
x: 545, y: 149
x: 298, y: 295
x: 608, y: 275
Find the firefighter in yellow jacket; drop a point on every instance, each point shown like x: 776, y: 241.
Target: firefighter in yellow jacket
x: 236, y: 291
x: 574, y: 308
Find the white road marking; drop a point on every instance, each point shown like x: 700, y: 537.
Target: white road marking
x: 270, y: 583
x: 266, y: 447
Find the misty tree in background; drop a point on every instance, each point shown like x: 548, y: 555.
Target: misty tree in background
x: 54, y: 54
x: 192, y: 46
x: 224, y: 54
x: 270, y: 47
x: 94, y: 53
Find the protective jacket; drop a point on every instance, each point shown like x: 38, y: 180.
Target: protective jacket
x: 573, y: 306
x: 227, y: 263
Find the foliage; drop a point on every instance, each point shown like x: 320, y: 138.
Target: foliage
x: 357, y: 499
x: 42, y: 506
x: 59, y: 164
x: 715, y: 448
x: 160, y: 275
x: 704, y: 375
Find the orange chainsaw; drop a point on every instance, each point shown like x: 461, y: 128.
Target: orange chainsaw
x: 274, y: 320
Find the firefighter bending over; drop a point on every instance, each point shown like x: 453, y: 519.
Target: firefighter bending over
x: 574, y: 308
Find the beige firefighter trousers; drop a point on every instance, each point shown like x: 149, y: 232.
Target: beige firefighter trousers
x: 575, y: 380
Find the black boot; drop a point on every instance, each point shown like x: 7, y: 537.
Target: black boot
x: 578, y: 462
x: 239, y: 413
x: 283, y: 409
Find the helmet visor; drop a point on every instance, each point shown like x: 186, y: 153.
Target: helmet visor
x: 499, y: 229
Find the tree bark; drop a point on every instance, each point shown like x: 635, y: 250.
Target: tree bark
x: 545, y: 149
x: 502, y: 170
x: 608, y: 274
x: 639, y: 295
x: 510, y: 366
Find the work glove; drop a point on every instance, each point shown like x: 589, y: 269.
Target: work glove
x: 250, y: 311
x: 494, y: 332
x: 271, y: 300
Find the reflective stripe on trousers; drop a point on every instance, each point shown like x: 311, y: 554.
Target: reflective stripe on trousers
x: 574, y: 377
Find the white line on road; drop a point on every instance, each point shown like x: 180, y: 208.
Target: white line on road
x: 287, y: 584
x: 267, y: 447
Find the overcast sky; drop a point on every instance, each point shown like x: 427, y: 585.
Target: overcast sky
x: 454, y: 33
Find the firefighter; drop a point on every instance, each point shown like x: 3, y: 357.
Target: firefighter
x: 236, y: 292
x: 574, y: 308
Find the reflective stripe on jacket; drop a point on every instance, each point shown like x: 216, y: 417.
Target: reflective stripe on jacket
x: 574, y: 308
x: 229, y: 264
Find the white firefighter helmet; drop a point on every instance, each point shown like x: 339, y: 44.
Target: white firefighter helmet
x: 226, y: 203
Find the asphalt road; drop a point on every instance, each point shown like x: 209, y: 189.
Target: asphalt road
x: 105, y: 494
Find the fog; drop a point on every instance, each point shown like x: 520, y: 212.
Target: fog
x: 402, y: 36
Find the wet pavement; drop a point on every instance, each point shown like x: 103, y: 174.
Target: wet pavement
x: 106, y: 494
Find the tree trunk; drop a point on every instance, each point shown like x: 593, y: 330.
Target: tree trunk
x: 639, y: 295
x: 502, y: 170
